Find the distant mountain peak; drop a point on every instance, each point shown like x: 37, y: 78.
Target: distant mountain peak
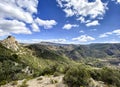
x: 10, y: 43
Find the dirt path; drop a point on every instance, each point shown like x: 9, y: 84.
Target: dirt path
x: 42, y: 81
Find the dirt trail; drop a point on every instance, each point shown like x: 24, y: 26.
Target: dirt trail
x: 42, y: 81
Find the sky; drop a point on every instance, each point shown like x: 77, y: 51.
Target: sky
x: 61, y: 21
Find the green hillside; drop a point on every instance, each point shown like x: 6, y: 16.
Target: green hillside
x: 30, y: 61
x: 26, y: 63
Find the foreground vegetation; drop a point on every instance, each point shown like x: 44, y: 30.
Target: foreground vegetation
x: 36, y: 60
x: 79, y: 76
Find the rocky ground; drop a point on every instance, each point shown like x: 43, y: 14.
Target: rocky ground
x: 42, y: 81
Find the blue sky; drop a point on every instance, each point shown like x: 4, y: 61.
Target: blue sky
x: 61, y: 21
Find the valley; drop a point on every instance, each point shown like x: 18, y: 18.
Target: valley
x: 68, y: 65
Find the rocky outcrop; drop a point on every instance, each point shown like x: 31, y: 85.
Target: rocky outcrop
x: 10, y: 43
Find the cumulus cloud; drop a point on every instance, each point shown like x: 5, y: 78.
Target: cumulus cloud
x: 18, y: 14
x: 2, y: 33
x: 13, y: 26
x: 84, y: 10
x: 35, y: 27
x: 69, y: 26
x: 116, y: 32
x: 45, y: 23
x: 93, y: 23
x: 118, y: 1
x: 11, y: 9
x: 83, y: 38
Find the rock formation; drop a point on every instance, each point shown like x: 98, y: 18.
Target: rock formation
x: 10, y: 43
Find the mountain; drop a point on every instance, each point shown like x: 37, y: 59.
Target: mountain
x: 25, y: 61
x: 18, y: 61
x: 10, y: 43
x: 77, y: 52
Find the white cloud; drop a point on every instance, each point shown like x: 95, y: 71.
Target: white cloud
x: 41, y: 40
x: 68, y: 12
x: 82, y: 19
x: 81, y: 31
x: 45, y: 23
x: 106, y: 34
x: 56, y: 40
x: 83, y: 38
x: 21, y: 11
x: 118, y: 1
x: 35, y: 27
x: 29, y: 5
x: 116, y: 32
x: 13, y: 26
x: 112, y: 41
x: 9, y: 9
x: 83, y: 9
x: 69, y: 26
x: 2, y: 33
x: 93, y: 23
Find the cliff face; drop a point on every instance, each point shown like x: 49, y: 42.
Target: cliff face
x: 10, y: 43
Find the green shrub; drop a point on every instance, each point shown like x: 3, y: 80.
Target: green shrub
x: 53, y: 81
x: 23, y: 84
x: 14, y: 83
x: 111, y: 76
x: 56, y: 74
x: 76, y: 77
x: 95, y: 74
x: 40, y: 78
x: 107, y: 75
x: 3, y: 82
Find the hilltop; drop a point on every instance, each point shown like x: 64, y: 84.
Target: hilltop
x: 79, y: 64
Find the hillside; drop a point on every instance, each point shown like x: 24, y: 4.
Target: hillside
x: 20, y: 61
x: 82, y: 51
x: 109, y: 53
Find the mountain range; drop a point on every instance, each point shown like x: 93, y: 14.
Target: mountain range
x: 20, y: 60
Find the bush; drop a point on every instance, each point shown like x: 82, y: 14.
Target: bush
x: 3, y: 82
x: 24, y: 84
x: 40, y: 78
x: 76, y: 77
x: 107, y: 75
x: 56, y: 74
x: 95, y: 74
x: 14, y: 83
x: 53, y: 81
x: 111, y: 76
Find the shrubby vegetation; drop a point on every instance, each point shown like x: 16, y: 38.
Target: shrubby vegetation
x: 79, y: 76
x: 43, y: 61
x: 10, y: 66
x: 107, y: 75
